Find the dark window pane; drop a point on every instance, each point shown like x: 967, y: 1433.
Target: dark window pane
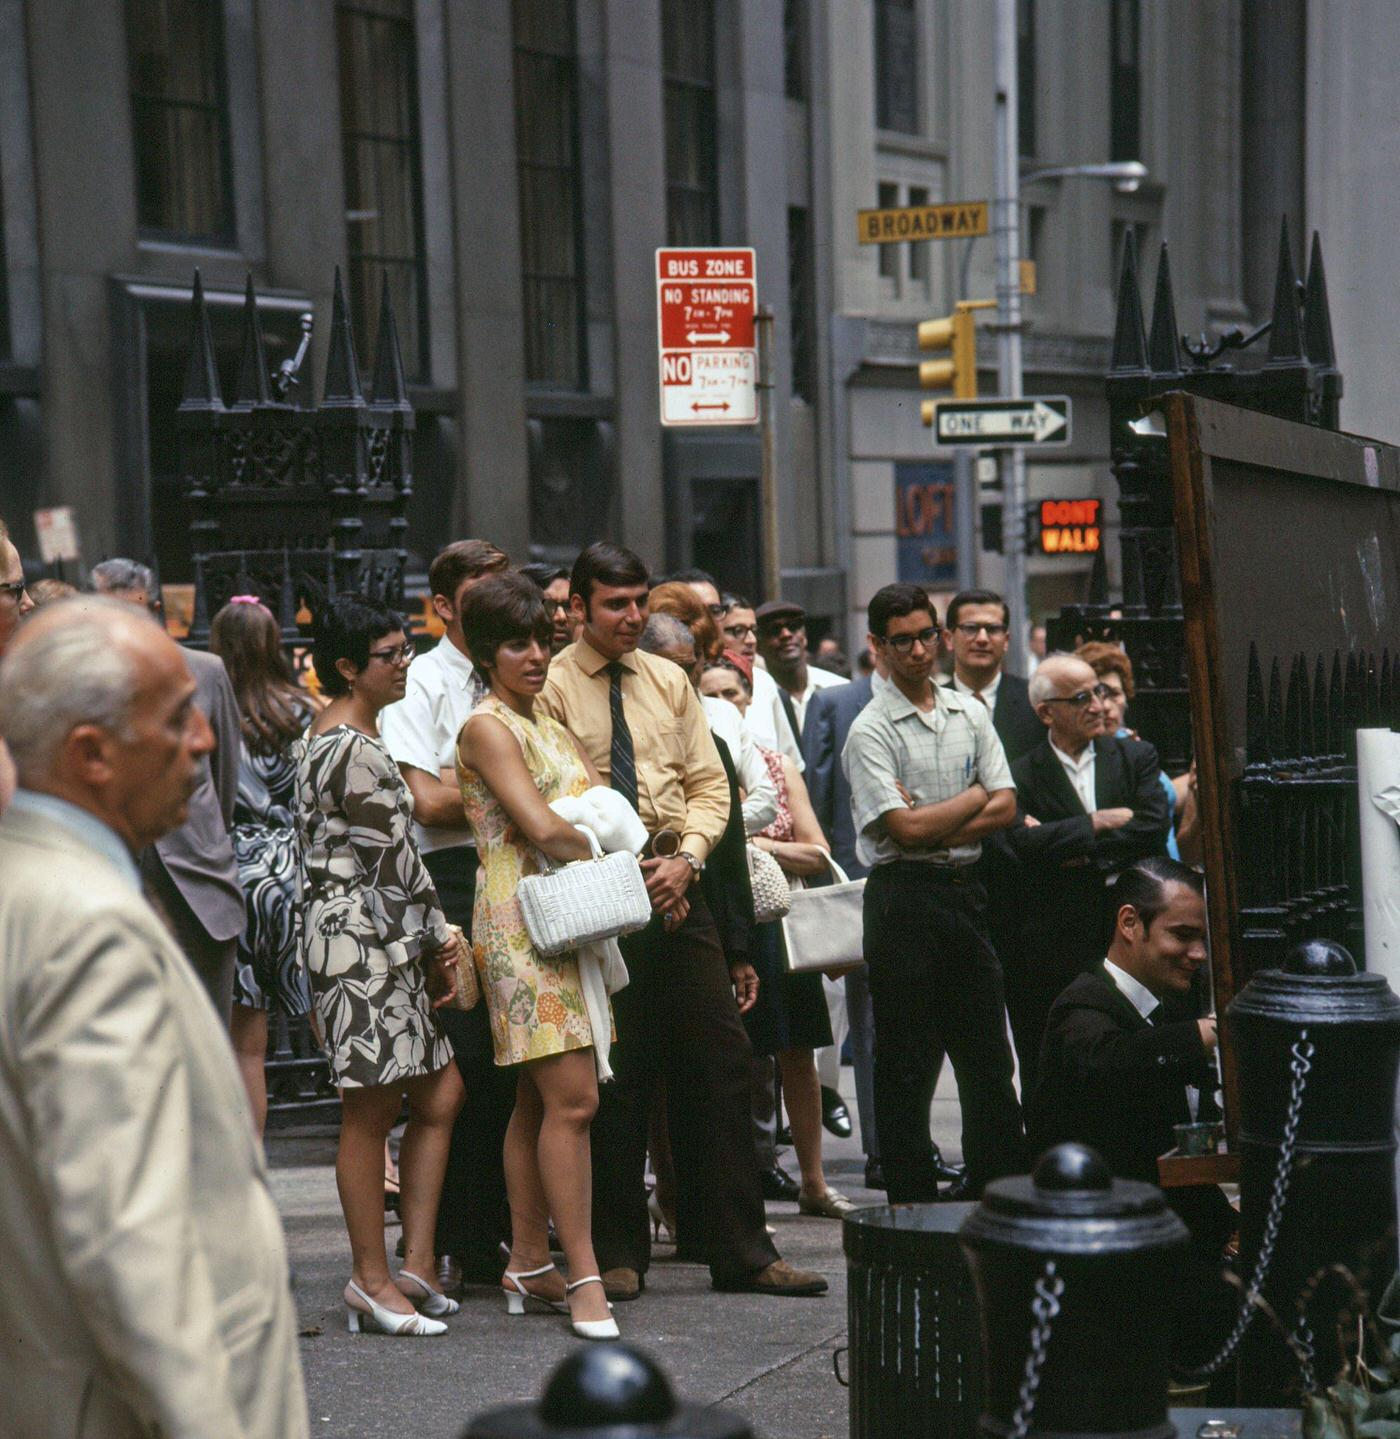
x: 547, y: 169
x: 179, y: 117
x: 887, y: 198
x: 795, y: 49
x: 1025, y: 75
x: 688, y: 62
x: 802, y: 298
x: 382, y: 162
x: 896, y: 66
x: 1125, y: 82
x: 918, y: 249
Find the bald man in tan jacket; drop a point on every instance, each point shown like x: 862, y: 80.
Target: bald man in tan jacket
x: 145, y: 1275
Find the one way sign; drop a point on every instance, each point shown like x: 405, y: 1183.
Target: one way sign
x: 1036, y: 421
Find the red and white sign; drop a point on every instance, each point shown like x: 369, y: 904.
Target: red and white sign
x: 705, y: 303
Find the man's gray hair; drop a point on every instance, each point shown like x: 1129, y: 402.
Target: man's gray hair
x: 1042, y: 682
x: 66, y: 674
x: 122, y: 574
x: 665, y: 632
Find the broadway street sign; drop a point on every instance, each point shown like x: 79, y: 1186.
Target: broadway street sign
x: 1035, y: 421
x: 961, y: 220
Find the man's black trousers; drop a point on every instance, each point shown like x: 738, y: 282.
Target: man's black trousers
x: 935, y: 986
x: 472, y: 1217
x: 677, y: 1021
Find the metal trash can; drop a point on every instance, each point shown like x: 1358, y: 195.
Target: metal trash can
x: 915, y: 1351
x: 1072, y: 1268
x: 607, y: 1391
x: 1318, y: 1047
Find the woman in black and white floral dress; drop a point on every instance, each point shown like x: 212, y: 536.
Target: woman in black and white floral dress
x: 380, y: 959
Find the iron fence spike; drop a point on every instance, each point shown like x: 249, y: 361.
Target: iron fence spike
x: 342, y: 370
x: 201, y: 390
x: 1162, y: 353
x: 1286, y: 334
x: 1129, y: 338
x: 252, y: 387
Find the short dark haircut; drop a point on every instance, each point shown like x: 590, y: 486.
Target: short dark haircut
x: 1144, y: 886
x: 895, y: 601
x: 542, y: 574
x: 607, y: 564
x: 732, y: 601
x: 976, y: 597
x: 501, y: 609
x: 345, y: 629
x: 695, y: 576
x: 463, y: 560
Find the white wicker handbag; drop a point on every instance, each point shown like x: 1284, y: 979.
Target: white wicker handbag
x: 588, y: 900
x: 771, y: 895
x: 824, y: 930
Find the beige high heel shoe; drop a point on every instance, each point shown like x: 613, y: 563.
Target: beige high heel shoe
x: 592, y: 1328
x: 374, y: 1318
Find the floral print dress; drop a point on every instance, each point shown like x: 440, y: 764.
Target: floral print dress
x: 371, y: 914
x: 536, y: 1003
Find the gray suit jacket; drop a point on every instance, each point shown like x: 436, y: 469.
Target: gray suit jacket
x: 198, y: 857
x: 145, y: 1275
x: 830, y: 715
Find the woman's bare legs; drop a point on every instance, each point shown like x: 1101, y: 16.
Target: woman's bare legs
x: 433, y: 1102
x: 249, y: 1032
x: 803, y: 1097
x: 366, y: 1116
x: 529, y: 1209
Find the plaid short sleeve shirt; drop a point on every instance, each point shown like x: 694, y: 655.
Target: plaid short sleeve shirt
x: 936, y: 756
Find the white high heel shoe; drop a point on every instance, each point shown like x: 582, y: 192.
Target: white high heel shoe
x: 385, y: 1321
x: 433, y: 1302
x: 517, y: 1297
x: 592, y: 1328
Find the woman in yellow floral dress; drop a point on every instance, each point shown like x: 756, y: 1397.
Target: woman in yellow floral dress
x: 512, y: 764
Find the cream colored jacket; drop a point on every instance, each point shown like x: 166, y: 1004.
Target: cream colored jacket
x: 143, y: 1277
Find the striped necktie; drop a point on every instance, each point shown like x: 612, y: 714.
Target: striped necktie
x: 622, y: 758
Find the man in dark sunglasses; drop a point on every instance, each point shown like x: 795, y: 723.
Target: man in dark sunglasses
x: 1090, y: 804
x: 14, y: 598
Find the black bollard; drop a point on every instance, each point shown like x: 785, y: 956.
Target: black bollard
x: 1075, y: 1272
x: 607, y: 1391
x: 1318, y: 1047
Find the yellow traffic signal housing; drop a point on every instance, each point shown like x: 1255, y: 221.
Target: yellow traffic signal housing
x: 957, y: 334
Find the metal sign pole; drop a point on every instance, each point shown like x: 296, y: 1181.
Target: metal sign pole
x: 768, y: 478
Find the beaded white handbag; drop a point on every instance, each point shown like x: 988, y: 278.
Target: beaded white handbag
x: 588, y: 900
x: 772, y: 895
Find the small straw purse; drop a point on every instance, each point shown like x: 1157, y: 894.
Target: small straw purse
x: 585, y: 901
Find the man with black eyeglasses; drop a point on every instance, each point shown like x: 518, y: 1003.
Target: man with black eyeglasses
x: 978, y: 634
x: 929, y: 782
x: 1090, y: 805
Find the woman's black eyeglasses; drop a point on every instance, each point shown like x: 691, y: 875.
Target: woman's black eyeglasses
x: 399, y: 655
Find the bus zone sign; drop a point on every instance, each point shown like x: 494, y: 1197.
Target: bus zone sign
x: 705, y: 304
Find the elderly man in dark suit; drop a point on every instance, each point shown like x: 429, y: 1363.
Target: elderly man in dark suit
x: 1115, y: 1065
x: 830, y: 714
x: 191, y: 872
x: 1090, y: 804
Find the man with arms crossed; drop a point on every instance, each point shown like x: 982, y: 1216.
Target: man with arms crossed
x: 929, y: 781
x: 145, y: 1275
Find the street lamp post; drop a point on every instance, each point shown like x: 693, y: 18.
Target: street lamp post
x: 1125, y: 176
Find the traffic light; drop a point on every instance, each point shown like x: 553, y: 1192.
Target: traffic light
x: 957, y: 334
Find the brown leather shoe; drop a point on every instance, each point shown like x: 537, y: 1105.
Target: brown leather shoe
x: 449, y: 1275
x: 622, y: 1284
x: 779, y: 1279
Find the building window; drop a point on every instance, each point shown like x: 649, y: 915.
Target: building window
x: 383, y: 185
x: 896, y: 66
x: 179, y: 115
x: 1033, y: 243
x: 1125, y: 82
x: 887, y: 198
x: 547, y: 168
x: 1025, y: 75
x: 795, y: 49
x: 803, y: 301
x: 918, y: 249
x: 688, y: 65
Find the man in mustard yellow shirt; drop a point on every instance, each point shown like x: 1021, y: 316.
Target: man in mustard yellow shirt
x: 639, y: 721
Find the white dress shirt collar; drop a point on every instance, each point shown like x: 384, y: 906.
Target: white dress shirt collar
x: 988, y: 692
x: 1080, y: 772
x: 1133, y: 990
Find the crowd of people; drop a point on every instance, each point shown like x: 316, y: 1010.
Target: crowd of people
x: 353, y: 849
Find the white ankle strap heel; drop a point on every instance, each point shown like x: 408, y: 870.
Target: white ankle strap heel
x: 518, y: 1297
x: 592, y: 1328
x: 375, y: 1318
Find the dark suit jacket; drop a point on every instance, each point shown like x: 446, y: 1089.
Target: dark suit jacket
x: 725, y: 879
x: 1016, y: 723
x: 1064, y: 864
x: 1109, y: 1079
x: 830, y: 715
x: 198, y: 857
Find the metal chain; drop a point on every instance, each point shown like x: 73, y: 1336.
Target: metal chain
x: 1044, y: 1307
x: 1303, y: 1352
x: 1303, y: 1051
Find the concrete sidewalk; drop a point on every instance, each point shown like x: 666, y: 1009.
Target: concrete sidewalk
x: 768, y: 1359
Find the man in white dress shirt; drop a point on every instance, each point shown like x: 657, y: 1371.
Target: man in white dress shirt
x: 420, y: 732
x: 766, y: 719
